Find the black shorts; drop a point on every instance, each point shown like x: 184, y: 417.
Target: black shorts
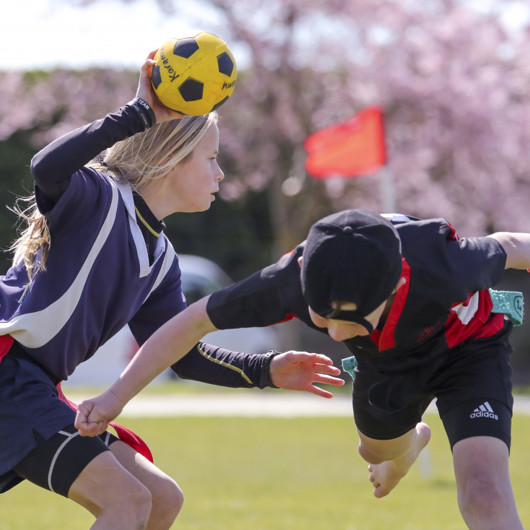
x: 35, y: 429
x: 55, y: 463
x: 471, y: 385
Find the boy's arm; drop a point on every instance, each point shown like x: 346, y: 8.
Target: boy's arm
x: 517, y: 248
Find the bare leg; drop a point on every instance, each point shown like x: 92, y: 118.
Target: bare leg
x: 123, y: 490
x: 390, y: 460
x: 167, y: 497
x: 113, y: 495
x: 485, y: 495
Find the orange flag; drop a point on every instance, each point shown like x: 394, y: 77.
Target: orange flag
x: 355, y: 147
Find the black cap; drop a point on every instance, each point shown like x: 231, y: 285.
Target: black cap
x: 352, y: 256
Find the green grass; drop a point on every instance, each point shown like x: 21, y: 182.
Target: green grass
x: 287, y: 474
x: 194, y: 387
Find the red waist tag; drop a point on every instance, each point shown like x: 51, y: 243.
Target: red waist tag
x: 6, y: 341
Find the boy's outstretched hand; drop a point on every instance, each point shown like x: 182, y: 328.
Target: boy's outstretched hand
x: 295, y: 370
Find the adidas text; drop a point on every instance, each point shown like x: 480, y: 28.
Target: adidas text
x: 481, y: 414
x: 484, y: 411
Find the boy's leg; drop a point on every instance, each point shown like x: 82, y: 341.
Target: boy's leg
x: 388, y: 409
x: 476, y: 410
x: 390, y: 460
x: 485, y: 494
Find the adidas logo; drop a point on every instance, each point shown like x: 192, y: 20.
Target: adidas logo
x: 484, y: 411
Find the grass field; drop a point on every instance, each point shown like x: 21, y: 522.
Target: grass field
x: 285, y: 474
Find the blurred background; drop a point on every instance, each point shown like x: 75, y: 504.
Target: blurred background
x: 451, y: 76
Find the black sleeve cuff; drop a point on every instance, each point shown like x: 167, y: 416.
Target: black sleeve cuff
x: 144, y: 110
x: 265, y: 373
x: 217, y: 366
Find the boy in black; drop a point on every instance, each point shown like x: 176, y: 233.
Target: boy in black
x: 414, y: 304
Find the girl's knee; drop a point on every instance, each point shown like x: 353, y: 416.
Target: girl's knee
x: 173, y: 498
x: 167, y: 502
x: 128, y: 507
x: 134, y: 499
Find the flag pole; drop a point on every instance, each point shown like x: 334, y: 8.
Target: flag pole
x: 386, y: 183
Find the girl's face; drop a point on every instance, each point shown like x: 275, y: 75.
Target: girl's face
x: 190, y: 186
x: 194, y: 182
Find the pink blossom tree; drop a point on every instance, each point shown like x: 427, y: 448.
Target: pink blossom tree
x: 451, y: 77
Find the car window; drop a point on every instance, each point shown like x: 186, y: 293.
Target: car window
x: 196, y: 286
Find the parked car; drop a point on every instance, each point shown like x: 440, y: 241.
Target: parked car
x: 200, y: 277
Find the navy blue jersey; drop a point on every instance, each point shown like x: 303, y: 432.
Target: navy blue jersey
x: 105, y: 269
x: 99, y: 275
x: 444, y: 302
x: 97, y: 279
x: 109, y: 264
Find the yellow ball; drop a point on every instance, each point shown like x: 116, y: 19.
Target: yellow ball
x: 194, y: 75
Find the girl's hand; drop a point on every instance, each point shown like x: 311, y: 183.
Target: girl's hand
x: 93, y: 415
x: 147, y: 93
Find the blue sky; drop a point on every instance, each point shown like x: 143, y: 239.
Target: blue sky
x: 48, y: 33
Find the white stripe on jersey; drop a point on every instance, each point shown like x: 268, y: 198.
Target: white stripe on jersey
x: 34, y: 330
x: 138, y: 238
x: 169, y: 257
x: 162, y: 244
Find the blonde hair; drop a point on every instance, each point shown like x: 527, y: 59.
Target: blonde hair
x: 137, y: 160
x: 34, y: 237
x: 151, y: 155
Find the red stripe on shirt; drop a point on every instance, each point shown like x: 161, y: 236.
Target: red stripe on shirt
x: 384, y: 338
x: 472, y: 319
